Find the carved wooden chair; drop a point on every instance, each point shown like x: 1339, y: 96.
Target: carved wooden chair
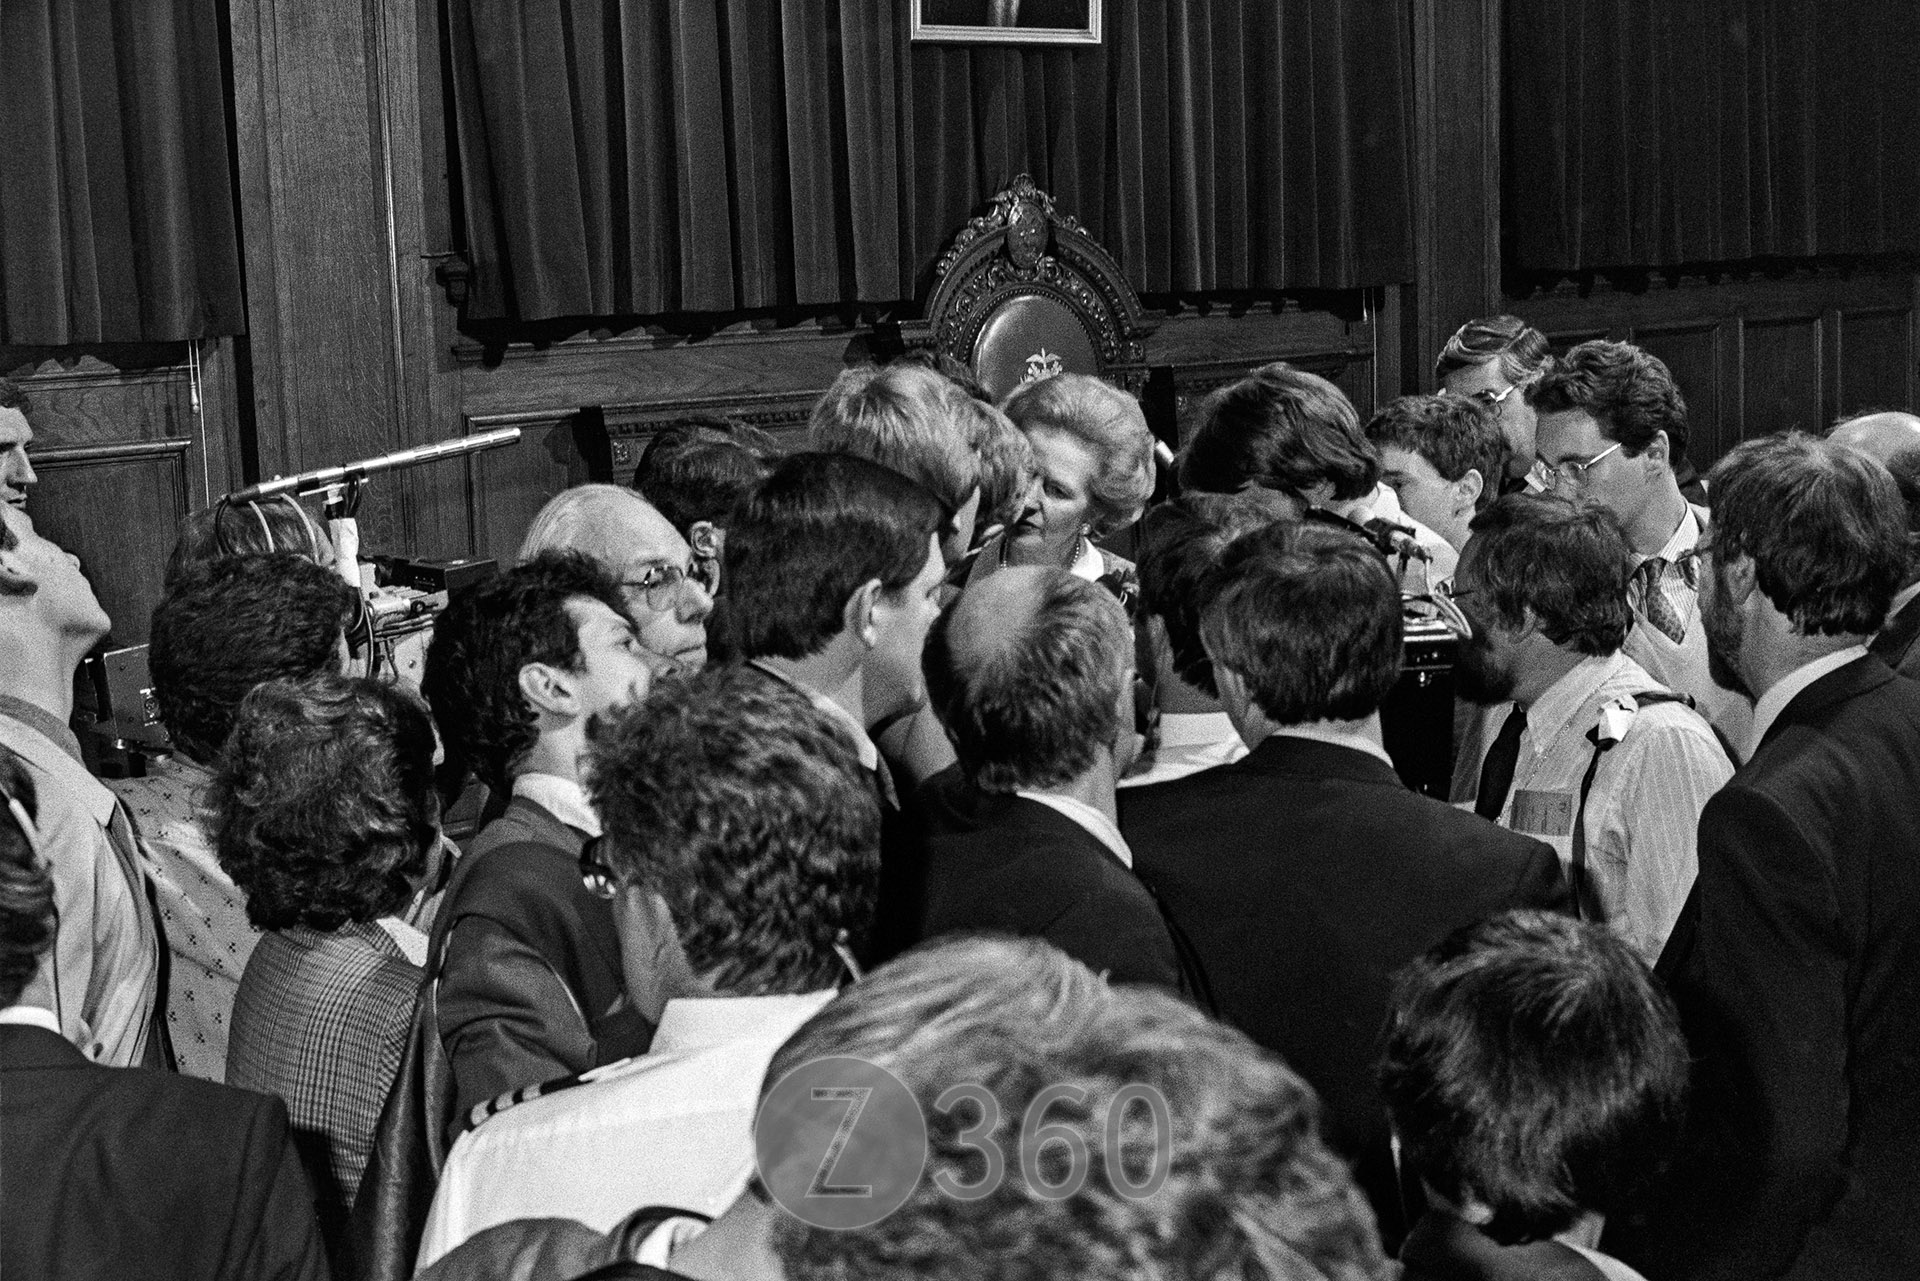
x: 1023, y: 292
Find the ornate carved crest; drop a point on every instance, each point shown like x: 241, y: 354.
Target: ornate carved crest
x: 1023, y: 246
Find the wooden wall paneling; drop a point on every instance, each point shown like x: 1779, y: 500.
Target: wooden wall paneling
x: 1783, y: 376
x: 117, y: 507
x: 1874, y: 363
x: 1456, y: 112
x: 318, y: 237
x: 1786, y: 353
x: 1692, y: 353
x: 1202, y: 351
x: 126, y: 417
x: 504, y: 489
x: 629, y: 427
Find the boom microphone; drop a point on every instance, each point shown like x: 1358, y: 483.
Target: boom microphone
x: 323, y: 478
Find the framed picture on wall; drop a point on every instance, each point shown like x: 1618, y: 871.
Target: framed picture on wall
x: 1007, y: 21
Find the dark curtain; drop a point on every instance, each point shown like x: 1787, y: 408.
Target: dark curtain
x: 1661, y: 132
x: 116, y: 203
x: 632, y: 157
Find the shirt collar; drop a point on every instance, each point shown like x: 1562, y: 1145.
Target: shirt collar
x: 31, y: 1016
x: 1089, y: 564
x: 1096, y: 824
x: 695, y: 1022
x: 561, y: 797
x: 862, y: 741
x: 1903, y: 598
x: 44, y: 723
x: 1684, y: 538
x: 1196, y: 729
x: 1553, y: 709
x: 1767, y: 710
x: 1323, y: 732
x: 52, y: 748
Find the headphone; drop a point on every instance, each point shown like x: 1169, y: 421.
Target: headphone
x: 359, y: 626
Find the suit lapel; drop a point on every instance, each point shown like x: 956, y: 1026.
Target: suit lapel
x: 26, y: 1048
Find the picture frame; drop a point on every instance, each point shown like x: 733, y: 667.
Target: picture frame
x: 1006, y: 21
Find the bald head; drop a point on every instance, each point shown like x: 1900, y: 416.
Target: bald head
x: 628, y: 535
x: 1884, y: 436
x: 1028, y: 670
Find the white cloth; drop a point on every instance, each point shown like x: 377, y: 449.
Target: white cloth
x: 1188, y: 743
x: 202, y: 911
x: 561, y: 797
x: 1328, y: 732
x: 673, y: 1126
x: 1775, y: 700
x: 1089, y: 564
x: 30, y: 1016
x: 101, y: 976
x: 1682, y: 665
x: 1643, y: 814
x: 1096, y: 824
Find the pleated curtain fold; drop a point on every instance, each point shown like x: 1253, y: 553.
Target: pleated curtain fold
x: 117, y: 215
x: 1667, y: 132
x: 640, y: 157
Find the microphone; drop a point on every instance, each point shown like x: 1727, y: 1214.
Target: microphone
x: 323, y: 478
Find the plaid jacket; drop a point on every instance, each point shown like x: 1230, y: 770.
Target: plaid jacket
x: 321, y: 1021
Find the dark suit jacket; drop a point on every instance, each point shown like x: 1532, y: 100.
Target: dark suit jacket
x: 1895, y: 646
x: 1004, y: 864
x: 1305, y: 875
x: 129, y: 1173
x: 524, y: 951
x: 1796, y: 968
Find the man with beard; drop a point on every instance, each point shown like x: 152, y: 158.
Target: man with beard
x: 1592, y: 755
x: 1796, y: 965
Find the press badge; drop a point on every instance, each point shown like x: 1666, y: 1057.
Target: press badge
x: 1543, y: 813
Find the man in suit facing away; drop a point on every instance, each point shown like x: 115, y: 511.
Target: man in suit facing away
x: 126, y: 1172
x: 1307, y: 873
x: 1894, y: 438
x: 1796, y: 966
x: 1030, y: 671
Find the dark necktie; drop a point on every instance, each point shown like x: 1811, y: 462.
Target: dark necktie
x: 1496, y: 772
x: 1659, y: 611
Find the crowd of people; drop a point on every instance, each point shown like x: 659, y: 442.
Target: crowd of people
x: 880, y: 875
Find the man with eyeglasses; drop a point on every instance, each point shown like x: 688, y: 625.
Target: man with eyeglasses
x: 1612, y: 429
x: 668, y: 590
x: 739, y: 855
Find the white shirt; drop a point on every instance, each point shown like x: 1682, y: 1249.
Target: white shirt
x: 1327, y: 732
x: 1096, y: 824
x: 30, y: 1016
x: 673, y: 1126
x: 1188, y: 743
x: 1643, y: 812
x: 1775, y: 700
x: 561, y: 797
x: 101, y: 976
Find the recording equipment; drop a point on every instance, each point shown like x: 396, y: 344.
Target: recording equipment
x: 325, y: 478
x: 115, y: 700
x: 1416, y: 720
